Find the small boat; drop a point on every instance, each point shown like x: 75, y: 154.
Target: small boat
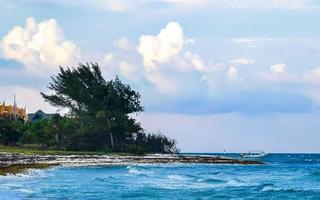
x: 253, y: 154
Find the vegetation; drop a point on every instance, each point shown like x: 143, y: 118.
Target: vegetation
x: 99, y: 118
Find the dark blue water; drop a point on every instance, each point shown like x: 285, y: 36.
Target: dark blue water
x: 285, y: 176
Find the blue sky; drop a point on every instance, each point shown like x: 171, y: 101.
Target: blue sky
x: 235, y: 75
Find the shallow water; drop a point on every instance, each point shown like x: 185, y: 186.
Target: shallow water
x: 285, y: 176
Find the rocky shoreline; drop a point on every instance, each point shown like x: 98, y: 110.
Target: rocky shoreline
x: 8, y: 159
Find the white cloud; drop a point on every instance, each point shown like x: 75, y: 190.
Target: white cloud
x: 162, y: 47
x: 124, y: 44
x: 41, y: 47
x: 242, y: 61
x: 196, y: 62
x: 279, y: 68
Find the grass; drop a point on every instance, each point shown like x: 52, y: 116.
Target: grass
x: 20, y: 168
x: 27, y: 151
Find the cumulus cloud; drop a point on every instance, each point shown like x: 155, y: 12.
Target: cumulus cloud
x: 242, y: 61
x: 157, y: 49
x: 165, y: 52
x: 279, y: 68
x: 41, y: 47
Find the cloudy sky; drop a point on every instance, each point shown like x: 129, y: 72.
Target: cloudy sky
x: 238, y: 75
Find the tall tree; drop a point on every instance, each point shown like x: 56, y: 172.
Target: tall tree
x: 85, y: 92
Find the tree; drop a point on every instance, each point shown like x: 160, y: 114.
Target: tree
x: 86, y: 93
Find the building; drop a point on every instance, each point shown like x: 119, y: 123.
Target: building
x: 33, y: 117
x: 13, y: 111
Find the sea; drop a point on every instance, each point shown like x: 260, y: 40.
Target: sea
x: 284, y: 176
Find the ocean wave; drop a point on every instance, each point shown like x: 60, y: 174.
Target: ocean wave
x: 209, y: 173
x: 277, y: 189
x: 179, y: 177
x: 138, y: 171
x: 11, y: 185
x: 236, y: 183
x: 212, y: 180
x: 273, y: 188
x: 177, y: 185
x: 25, y: 191
x: 28, y: 174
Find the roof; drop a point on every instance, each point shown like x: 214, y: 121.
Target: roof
x: 39, y: 115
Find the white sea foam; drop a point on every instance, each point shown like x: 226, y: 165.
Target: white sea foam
x: 236, y: 183
x: 185, y: 185
x: 179, y: 177
x: 25, y: 191
x: 134, y: 170
x: 11, y: 185
x: 270, y: 188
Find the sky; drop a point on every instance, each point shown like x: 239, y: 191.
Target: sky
x: 215, y: 75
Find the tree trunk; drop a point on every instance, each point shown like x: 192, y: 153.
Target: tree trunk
x: 111, y: 138
x: 110, y: 133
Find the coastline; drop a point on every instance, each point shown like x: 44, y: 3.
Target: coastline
x: 11, y: 163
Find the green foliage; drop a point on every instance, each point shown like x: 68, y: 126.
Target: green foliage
x: 10, y: 132
x: 98, y: 119
x: 84, y: 91
x: 157, y: 143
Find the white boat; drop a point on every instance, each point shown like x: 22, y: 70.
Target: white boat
x: 253, y: 154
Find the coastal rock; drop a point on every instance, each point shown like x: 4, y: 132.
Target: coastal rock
x: 7, y: 159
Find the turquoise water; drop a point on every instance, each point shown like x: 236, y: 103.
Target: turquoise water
x: 283, y: 177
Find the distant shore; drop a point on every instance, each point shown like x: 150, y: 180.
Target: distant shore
x: 15, y: 163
